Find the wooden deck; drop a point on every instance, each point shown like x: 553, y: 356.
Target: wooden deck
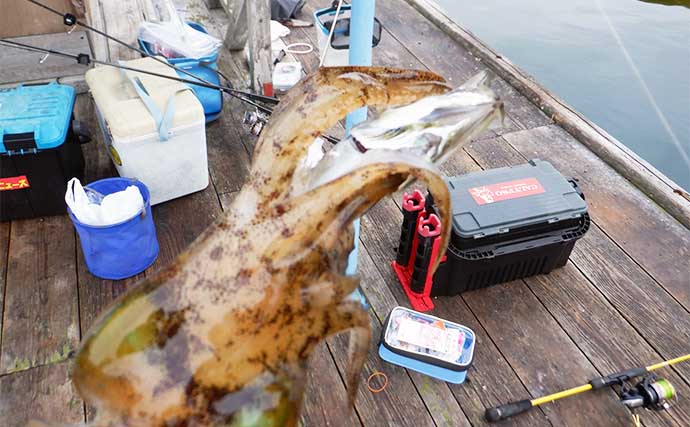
x: 622, y: 300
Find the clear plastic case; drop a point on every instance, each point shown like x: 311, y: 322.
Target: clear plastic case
x: 429, y: 339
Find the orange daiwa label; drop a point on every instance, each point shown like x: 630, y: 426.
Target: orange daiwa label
x: 14, y: 183
x: 506, y: 190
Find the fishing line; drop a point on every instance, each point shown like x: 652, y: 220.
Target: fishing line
x: 330, y: 34
x: 84, y: 59
x: 665, y: 124
x: 72, y: 20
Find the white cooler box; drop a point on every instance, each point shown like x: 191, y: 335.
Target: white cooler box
x: 154, y: 132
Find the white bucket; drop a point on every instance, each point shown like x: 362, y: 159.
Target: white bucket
x: 334, y: 57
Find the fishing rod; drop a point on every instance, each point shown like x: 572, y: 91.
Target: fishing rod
x: 71, y: 20
x: 649, y: 393
x: 85, y: 59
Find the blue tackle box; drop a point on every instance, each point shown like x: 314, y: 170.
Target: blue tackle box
x: 206, y: 68
x: 40, y: 150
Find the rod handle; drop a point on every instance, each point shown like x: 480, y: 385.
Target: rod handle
x: 507, y: 410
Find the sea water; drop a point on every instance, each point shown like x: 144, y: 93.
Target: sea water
x: 624, y: 64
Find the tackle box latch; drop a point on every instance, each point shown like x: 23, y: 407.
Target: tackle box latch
x: 20, y: 143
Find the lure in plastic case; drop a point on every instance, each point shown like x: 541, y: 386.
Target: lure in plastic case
x: 427, y: 344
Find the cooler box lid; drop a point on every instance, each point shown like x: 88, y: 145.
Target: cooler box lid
x: 124, y: 111
x: 497, y: 201
x: 39, y: 111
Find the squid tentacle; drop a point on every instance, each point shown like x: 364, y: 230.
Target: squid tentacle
x: 317, y: 104
x: 337, y: 203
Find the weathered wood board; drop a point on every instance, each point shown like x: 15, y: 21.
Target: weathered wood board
x: 20, y: 65
x: 21, y: 18
x: 44, y: 393
x: 119, y: 19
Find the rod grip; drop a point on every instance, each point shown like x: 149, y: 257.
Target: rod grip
x: 507, y: 410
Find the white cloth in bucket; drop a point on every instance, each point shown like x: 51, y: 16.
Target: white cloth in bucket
x: 111, y: 209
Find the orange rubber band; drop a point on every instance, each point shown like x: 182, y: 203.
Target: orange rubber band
x: 374, y: 375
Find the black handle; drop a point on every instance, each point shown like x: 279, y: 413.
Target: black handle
x: 508, y: 410
x: 617, y: 378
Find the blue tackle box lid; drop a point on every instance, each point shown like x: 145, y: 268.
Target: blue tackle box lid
x: 42, y: 110
x: 497, y: 201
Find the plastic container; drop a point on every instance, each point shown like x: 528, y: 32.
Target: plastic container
x: 39, y: 150
x: 427, y: 344
x: 508, y: 223
x: 121, y: 250
x: 206, y: 69
x: 339, y: 50
x: 165, y: 150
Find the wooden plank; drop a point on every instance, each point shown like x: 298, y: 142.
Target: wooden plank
x: 21, y: 18
x: 259, y: 43
x: 179, y: 222
x: 542, y: 354
x: 445, y: 56
x: 398, y: 404
x: 237, y: 32
x: 645, y: 231
x: 43, y: 393
x: 659, y: 319
x: 592, y: 322
x: 325, y: 399
x: 643, y: 175
x: 23, y: 66
x: 96, y: 19
x: 41, y: 314
x: 77, y: 82
x: 227, y: 156
x: 120, y: 20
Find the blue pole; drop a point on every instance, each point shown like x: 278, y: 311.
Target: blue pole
x: 361, y: 34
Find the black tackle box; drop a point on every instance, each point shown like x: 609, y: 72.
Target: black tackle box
x: 40, y: 149
x: 508, y: 223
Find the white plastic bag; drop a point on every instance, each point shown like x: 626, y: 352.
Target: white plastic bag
x: 278, y: 30
x: 174, y: 38
x: 95, y: 210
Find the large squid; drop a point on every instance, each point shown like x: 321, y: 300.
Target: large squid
x: 222, y: 336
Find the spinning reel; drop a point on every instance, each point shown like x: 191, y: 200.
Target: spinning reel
x: 650, y: 393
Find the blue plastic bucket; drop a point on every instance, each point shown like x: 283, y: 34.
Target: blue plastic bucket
x: 211, y: 99
x: 120, y: 250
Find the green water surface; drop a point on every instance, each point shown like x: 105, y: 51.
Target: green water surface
x: 606, y: 58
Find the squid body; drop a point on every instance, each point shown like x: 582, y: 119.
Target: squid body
x: 222, y: 336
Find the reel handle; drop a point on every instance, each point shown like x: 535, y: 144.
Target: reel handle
x: 507, y: 410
